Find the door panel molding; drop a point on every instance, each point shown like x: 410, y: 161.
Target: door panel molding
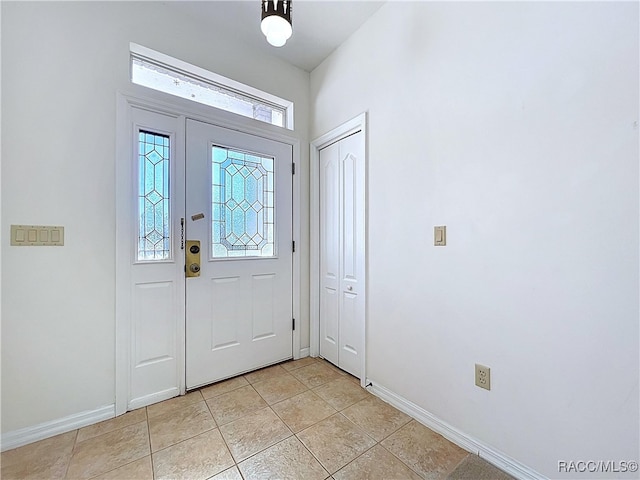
x: 176, y: 110
x: 355, y: 125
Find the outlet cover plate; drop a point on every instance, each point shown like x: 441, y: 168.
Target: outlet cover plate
x: 483, y: 377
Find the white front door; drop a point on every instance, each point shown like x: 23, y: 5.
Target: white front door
x: 239, y: 207
x: 342, y: 253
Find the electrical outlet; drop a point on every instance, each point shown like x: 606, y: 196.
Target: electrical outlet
x: 483, y: 377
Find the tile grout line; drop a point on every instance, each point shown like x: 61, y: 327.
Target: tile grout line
x: 153, y: 467
x: 399, y: 459
x: 281, y: 375
x: 363, y: 430
x: 293, y: 434
x: 215, y: 422
x: 270, y: 446
x: 354, y: 459
x: 378, y: 442
x: 123, y: 465
x: 392, y: 453
x: 237, y: 463
x: 73, y: 449
x: 223, y: 393
x: 182, y: 441
x: 312, y: 454
x: 216, y: 427
x: 452, y: 469
x: 356, y: 426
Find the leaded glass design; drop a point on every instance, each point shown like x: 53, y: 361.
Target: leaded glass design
x: 242, y: 204
x: 154, y: 238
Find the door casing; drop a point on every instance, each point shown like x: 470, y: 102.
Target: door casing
x: 180, y: 109
x: 354, y: 125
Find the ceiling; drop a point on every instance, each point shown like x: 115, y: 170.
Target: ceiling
x: 319, y: 27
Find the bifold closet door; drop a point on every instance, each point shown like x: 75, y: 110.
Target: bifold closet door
x: 342, y: 261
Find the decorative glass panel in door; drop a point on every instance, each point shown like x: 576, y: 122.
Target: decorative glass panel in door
x: 242, y: 204
x: 154, y: 227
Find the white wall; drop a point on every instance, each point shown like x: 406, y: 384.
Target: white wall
x: 62, y: 63
x: 513, y: 125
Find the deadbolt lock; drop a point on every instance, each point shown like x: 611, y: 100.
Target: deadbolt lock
x: 193, y: 258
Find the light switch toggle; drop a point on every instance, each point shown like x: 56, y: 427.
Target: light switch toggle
x: 440, y: 236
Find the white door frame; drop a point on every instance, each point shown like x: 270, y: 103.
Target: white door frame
x: 354, y: 125
x: 181, y: 109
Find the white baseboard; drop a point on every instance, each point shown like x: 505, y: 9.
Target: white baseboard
x: 491, y: 455
x: 304, y: 352
x: 44, y: 430
x: 153, y: 398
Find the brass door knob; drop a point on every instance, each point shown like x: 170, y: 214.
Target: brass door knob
x: 192, y: 258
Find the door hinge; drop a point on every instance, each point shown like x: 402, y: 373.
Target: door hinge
x: 293, y: 246
x: 293, y: 324
x: 293, y: 169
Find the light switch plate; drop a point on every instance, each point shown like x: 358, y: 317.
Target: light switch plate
x: 37, y: 236
x: 440, y: 236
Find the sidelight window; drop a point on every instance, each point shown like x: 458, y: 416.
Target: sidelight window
x: 154, y: 238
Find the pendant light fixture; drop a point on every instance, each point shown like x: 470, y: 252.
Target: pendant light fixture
x: 276, y: 21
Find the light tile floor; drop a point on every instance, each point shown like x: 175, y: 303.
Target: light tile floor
x: 302, y: 419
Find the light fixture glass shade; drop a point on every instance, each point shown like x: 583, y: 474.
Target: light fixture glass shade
x: 276, y: 29
x: 276, y: 21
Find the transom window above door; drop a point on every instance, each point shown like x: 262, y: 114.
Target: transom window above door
x: 169, y: 75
